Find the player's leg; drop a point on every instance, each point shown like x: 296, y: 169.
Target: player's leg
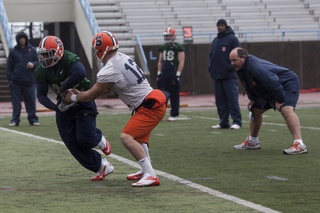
x: 256, y: 123
x: 292, y: 121
x: 133, y: 146
x: 174, y: 90
x: 232, y: 94
x: 252, y: 141
x: 222, y: 104
x: 88, y: 137
x: 30, y: 103
x: 139, y: 128
x: 16, y: 97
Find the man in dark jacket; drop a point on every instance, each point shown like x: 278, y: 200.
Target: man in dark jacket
x: 225, y: 78
x: 21, y: 64
x: 268, y: 86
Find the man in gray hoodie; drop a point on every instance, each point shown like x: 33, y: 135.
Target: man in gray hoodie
x: 21, y: 64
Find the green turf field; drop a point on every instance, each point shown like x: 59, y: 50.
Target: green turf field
x: 39, y: 175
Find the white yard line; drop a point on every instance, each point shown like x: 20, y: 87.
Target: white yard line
x: 166, y: 175
x: 264, y: 123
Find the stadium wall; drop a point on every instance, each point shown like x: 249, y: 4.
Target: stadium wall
x: 301, y: 56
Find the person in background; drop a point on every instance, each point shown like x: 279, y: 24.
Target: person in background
x: 225, y: 77
x: 268, y: 86
x: 60, y: 70
x: 124, y: 78
x: 22, y: 61
x: 170, y: 66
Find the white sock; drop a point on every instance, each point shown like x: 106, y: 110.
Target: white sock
x: 102, y: 144
x: 299, y: 141
x: 146, y: 167
x: 254, y: 139
x: 146, y: 150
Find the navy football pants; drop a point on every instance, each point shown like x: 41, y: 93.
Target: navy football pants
x: 77, y: 129
x: 167, y: 80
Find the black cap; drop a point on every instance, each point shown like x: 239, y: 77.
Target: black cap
x: 222, y: 21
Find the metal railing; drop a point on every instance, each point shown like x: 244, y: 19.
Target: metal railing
x: 6, y: 30
x: 90, y: 16
x: 244, y: 35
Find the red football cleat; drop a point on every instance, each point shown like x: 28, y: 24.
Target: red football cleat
x: 107, y: 169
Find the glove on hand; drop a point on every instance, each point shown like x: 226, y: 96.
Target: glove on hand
x: 63, y: 106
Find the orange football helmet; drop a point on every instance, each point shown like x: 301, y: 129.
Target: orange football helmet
x: 50, y: 51
x: 169, y: 35
x: 102, y: 43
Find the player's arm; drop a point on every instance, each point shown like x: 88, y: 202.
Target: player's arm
x: 78, y: 73
x: 97, y: 90
x: 159, y: 63
x: 42, y: 95
x: 181, y: 58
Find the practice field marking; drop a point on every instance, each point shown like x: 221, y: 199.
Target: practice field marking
x: 168, y: 176
x: 216, y: 132
x: 277, y: 178
x: 264, y: 123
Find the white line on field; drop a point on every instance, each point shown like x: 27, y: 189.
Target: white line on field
x: 166, y: 175
x: 274, y: 124
x: 277, y: 178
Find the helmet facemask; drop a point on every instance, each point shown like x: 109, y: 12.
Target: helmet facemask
x: 48, y: 58
x: 169, y: 38
x: 98, y: 55
x: 169, y: 35
x: 50, y: 51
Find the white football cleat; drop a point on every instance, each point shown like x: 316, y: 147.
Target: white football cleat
x: 147, y: 180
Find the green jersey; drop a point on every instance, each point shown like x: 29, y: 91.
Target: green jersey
x: 170, y: 52
x: 57, y: 76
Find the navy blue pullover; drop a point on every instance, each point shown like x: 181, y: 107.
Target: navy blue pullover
x: 266, y: 80
x: 18, y: 59
x: 219, y: 63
